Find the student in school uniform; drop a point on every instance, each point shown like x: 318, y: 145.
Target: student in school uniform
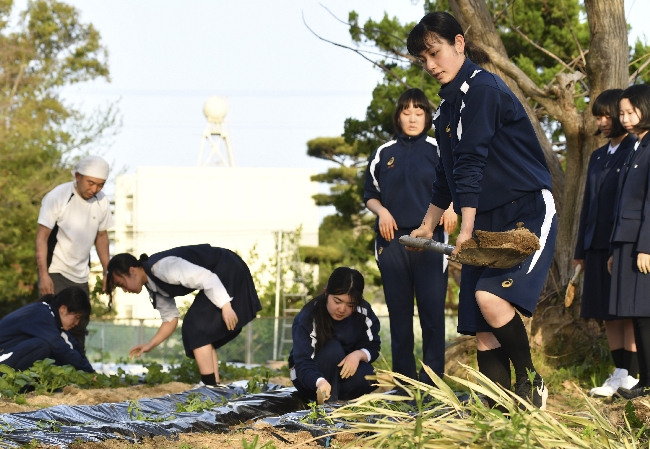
x: 630, y: 242
x: 226, y: 301
x: 493, y: 169
x: 397, y: 190
x: 335, y: 340
x: 594, y: 232
x: 41, y: 330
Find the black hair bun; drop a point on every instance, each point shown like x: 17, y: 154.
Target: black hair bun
x: 143, y: 257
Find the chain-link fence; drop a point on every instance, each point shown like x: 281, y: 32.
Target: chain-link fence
x: 110, y: 341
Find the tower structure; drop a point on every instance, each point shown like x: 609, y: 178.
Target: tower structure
x: 215, y: 110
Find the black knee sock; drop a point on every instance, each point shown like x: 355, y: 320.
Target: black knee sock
x: 631, y: 363
x: 495, y: 364
x: 514, y: 341
x: 618, y: 356
x: 642, y: 337
x: 208, y: 379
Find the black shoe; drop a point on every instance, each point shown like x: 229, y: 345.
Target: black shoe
x: 536, y: 394
x: 631, y: 393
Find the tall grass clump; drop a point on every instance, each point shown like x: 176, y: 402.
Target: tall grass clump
x: 422, y: 416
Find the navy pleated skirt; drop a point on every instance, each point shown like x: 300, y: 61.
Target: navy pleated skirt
x: 203, y: 324
x: 596, y: 286
x: 630, y: 290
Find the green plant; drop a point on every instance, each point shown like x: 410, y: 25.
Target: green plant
x: 155, y: 374
x: 316, y: 413
x: 256, y: 385
x: 195, y: 403
x: 136, y: 414
x: 253, y: 444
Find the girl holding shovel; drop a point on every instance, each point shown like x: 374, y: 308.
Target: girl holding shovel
x: 493, y: 169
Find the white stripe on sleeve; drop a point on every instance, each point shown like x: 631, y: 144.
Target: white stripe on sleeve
x: 375, y: 161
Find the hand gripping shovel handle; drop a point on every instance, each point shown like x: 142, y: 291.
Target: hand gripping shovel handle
x: 427, y: 244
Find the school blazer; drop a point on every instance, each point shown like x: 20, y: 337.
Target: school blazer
x: 600, y: 197
x: 632, y: 222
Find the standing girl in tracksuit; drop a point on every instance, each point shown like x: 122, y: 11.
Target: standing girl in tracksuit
x: 42, y: 330
x: 335, y: 338
x: 398, y: 189
x: 493, y: 168
x: 226, y: 301
x: 630, y: 260
x: 594, y: 232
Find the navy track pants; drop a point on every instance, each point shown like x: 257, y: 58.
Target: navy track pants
x: 423, y: 275
x: 327, y: 360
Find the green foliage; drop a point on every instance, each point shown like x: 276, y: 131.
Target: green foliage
x: 317, y: 414
x: 136, y: 414
x: 253, y: 444
x: 195, y: 403
x: 49, y: 48
x: 99, y: 307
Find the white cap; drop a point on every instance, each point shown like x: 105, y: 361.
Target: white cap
x: 93, y: 166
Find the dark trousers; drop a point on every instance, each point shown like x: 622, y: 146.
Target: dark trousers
x: 405, y: 275
x: 24, y: 354
x: 327, y: 360
x: 80, y: 331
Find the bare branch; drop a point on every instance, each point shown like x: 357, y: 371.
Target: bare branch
x: 393, y: 50
x: 374, y: 29
x: 636, y: 73
x: 378, y: 64
x: 500, y: 13
x: 575, y: 38
x: 542, y: 49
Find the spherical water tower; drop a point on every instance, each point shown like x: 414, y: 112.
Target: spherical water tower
x: 215, y: 110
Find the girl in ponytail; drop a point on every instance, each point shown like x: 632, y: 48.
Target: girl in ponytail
x: 493, y: 169
x: 226, y: 301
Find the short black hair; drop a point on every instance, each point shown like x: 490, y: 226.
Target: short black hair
x: 441, y: 25
x: 418, y: 99
x: 639, y: 96
x: 606, y: 105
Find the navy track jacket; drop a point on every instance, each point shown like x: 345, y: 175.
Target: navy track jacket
x: 37, y: 320
x: 400, y: 174
x: 358, y: 331
x: 489, y: 152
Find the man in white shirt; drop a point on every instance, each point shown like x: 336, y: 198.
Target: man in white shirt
x: 73, y: 217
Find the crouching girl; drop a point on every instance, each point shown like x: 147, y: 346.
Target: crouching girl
x: 335, y: 337
x: 40, y: 330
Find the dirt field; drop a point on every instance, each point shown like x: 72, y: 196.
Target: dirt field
x: 568, y: 400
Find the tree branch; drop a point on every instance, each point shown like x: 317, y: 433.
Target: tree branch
x: 575, y: 38
x: 500, y: 13
x: 363, y: 32
x: 359, y: 52
x: 540, y: 48
x: 636, y: 73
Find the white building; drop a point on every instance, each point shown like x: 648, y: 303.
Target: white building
x: 159, y: 208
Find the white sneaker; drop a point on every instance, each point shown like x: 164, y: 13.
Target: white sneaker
x: 609, y: 387
x: 628, y: 382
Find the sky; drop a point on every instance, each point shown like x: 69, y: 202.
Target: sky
x: 283, y: 85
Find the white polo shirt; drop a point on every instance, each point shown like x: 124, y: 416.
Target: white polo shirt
x: 79, y: 221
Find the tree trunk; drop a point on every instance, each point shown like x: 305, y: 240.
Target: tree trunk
x: 607, y: 68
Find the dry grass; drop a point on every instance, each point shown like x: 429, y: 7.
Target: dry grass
x: 427, y: 417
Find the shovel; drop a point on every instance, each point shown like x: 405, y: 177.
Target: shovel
x: 571, y: 288
x: 486, y: 249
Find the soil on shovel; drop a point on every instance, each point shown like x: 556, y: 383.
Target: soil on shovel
x: 498, y: 249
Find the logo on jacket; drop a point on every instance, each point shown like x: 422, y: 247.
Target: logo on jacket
x: 380, y: 250
x: 391, y: 162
